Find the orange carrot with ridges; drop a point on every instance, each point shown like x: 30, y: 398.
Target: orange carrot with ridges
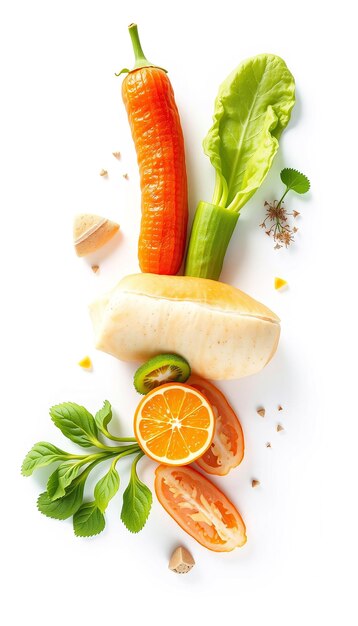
x: 154, y: 119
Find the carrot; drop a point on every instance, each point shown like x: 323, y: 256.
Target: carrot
x: 154, y: 119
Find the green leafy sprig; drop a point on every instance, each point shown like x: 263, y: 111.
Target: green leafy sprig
x: 276, y: 222
x: 63, y: 497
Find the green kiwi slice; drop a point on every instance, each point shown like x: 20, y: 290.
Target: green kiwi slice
x: 161, y: 369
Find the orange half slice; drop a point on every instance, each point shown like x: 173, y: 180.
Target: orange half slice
x: 174, y: 424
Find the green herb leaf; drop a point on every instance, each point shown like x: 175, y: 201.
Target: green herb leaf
x: 88, y: 520
x: 62, y: 477
x: 137, y: 502
x: 104, y: 416
x: 76, y: 423
x: 252, y: 108
x: 64, y: 507
x: 106, y: 488
x: 294, y: 180
x: 40, y: 455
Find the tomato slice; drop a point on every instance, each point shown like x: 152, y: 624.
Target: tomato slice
x: 227, y: 448
x: 200, y: 508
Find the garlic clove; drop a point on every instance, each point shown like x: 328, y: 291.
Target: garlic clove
x: 91, y: 232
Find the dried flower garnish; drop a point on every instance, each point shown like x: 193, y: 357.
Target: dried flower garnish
x: 117, y: 155
x: 261, y: 411
x: 103, y: 173
x: 255, y: 483
x: 95, y: 268
x: 277, y: 221
x: 279, y: 428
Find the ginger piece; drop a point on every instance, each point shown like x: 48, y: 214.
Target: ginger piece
x: 181, y: 561
x: 91, y: 232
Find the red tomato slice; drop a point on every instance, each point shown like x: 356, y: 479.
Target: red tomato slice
x: 227, y: 448
x: 200, y: 508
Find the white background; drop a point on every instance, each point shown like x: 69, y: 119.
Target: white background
x: 61, y: 118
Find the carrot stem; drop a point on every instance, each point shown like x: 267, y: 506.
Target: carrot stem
x: 140, y: 59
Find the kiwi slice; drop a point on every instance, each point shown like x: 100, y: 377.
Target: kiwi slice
x: 161, y: 369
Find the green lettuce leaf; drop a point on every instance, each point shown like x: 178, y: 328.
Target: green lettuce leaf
x: 252, y: 108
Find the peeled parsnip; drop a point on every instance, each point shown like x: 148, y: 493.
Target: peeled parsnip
x: 222, y: 332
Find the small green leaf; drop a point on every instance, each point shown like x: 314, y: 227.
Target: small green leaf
x: 62, y: 477
x: 137, y: 502
x: 294, y: 180
x: 106, y: 488
x: 64, y: 507
x: 88, y: 520
x: 76, y: 423
x: 40, y: 455
x: 104, y: 416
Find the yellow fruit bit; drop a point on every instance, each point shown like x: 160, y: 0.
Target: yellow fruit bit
x: 280, y: 282
x: 85, y: 363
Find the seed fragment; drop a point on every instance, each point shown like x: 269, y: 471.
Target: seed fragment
x: 279, y: 428
x: 103, y: 173
x: 268, y: 445
x: 261, y: 411
x: 280, y: 408
x: 126, y: 176
x: 181, y: 561
x: 95, y: 268
x: 117, y: 155
x: 255, y: 483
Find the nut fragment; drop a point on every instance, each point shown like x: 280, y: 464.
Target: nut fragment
x: 181, y: 561
x: 85, y: 363
x: 95, y: 268
x: 255, y: 483
x: 117, y: 155
x: 91, y: 232
x: 103, y: 173
x: 261, y: 411
x: 279, y: 427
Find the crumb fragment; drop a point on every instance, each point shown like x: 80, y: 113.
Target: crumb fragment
x: 261, y: 411
x: 181, y: 561
x: 126, y: 176
x: 95, y: 268
x: 255, y: 483
x: 117, y: 155
x: 280, y: 282
x: 85, y: 363
x: 103, y: 173
x: 280, y: 407
x: 268, y: 445
x: 279, y: 428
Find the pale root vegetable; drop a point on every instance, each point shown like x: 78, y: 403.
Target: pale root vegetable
x: 91, y: 232
x: 222, y: 332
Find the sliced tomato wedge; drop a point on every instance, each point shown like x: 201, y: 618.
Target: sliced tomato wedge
x: 227, y: 448
x: 200, y: 508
